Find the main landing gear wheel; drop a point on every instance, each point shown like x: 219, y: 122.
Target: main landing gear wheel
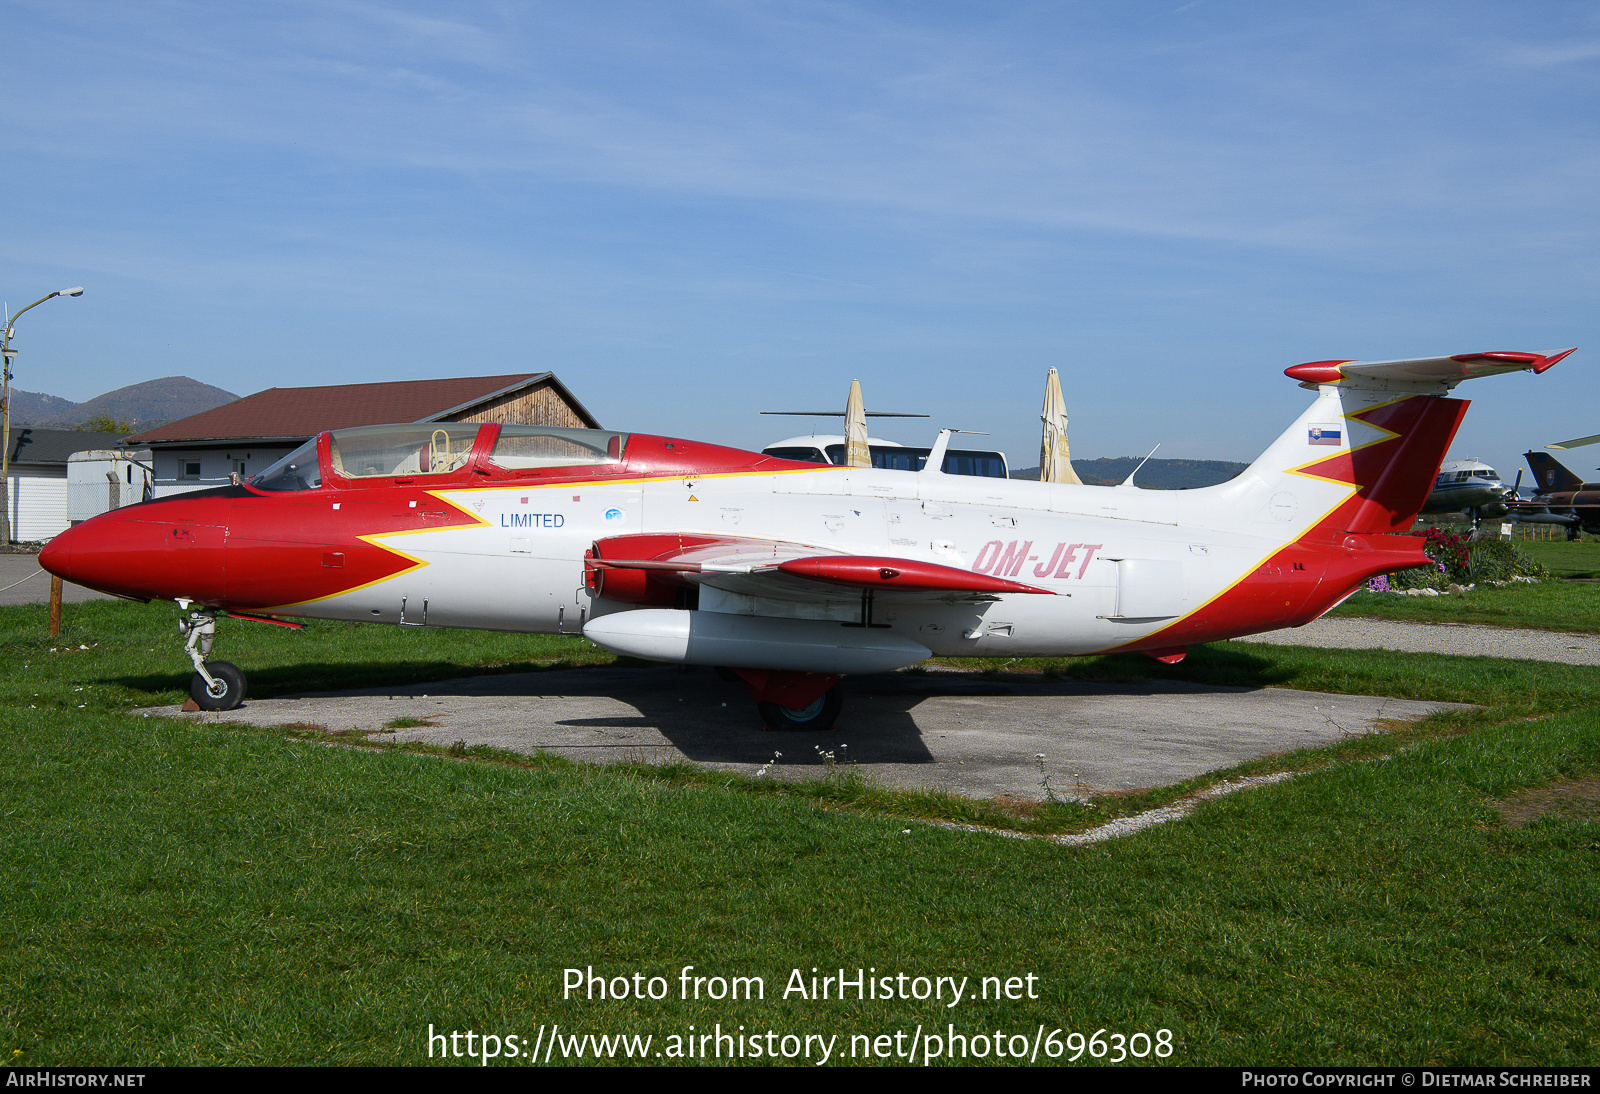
x: 228, y: 692
x: 818, y: 716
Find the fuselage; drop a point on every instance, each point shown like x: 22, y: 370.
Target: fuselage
x: 469, y: 541
x: 1467, y: 484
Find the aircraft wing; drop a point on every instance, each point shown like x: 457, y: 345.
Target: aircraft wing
x: 790, y: 571
x: 1538, y: 505
x: 1446, y: 370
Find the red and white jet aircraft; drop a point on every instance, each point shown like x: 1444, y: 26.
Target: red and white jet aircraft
x: 790, y: 574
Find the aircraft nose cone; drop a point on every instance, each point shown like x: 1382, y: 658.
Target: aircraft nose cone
x: 146, y: 553
x: 56, y: 558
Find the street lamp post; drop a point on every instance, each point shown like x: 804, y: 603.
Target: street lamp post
x: 6, y: 354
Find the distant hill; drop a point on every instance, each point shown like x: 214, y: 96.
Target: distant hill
x: 1155, y: 475
x: 31, y: 408
x: 145, y: 405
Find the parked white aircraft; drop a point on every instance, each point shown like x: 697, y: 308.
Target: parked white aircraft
x: 791, y: 574
x: 1471, y: 487
x: 830, y: 448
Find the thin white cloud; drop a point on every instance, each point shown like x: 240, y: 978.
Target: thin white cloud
x: 1548, y: 56
x: 839, y: 106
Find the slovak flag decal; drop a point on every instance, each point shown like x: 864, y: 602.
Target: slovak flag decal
x: 1324, y: 434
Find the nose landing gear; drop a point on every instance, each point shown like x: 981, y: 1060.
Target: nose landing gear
x: 216, y: 685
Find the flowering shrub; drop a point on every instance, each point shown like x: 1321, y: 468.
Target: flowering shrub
x: 1452, y: 551
x: 1459, y: 559
x: 1379, y: 584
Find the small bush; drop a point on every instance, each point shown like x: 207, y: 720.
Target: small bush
x: 1458, y: 560
x: 1422, y: 577
x: 1501, y: 560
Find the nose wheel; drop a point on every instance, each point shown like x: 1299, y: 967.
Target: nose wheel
x: 215, y: 685
x: 224, y: 691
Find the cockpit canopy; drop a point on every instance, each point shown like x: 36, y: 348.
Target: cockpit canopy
x: 390, y: 451
x: 1487, y: 474
x: 296, y: 471
x: 384, y: 451
x: 526, y: 446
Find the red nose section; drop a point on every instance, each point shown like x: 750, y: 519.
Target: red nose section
x: 56, y: 557
x: 151, y: 551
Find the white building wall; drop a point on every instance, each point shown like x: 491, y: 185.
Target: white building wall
x: 173, y: 473
x: 38, y: 500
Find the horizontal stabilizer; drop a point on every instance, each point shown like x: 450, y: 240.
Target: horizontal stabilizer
x: 1448, y: 371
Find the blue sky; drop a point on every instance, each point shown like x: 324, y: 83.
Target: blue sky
x: 696, y: 211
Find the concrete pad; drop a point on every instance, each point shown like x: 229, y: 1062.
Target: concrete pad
x: 972, y: 735
x: 31, y: 585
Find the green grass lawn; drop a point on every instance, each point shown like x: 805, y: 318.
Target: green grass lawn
x: 1580, y: 559
x: 1547, y: 606
x: 1560, y: 605
x: 178, y: 893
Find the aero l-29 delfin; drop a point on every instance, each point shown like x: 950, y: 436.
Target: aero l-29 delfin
x: 790, y: 574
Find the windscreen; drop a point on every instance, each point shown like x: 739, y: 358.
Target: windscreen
x: 296, y: 471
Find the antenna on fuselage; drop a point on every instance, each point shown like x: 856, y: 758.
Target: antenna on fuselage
x: 1128, y: 482
x: 935, y: 464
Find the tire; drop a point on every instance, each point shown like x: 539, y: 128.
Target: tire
x: 818, y: 717
x: 225, y: 674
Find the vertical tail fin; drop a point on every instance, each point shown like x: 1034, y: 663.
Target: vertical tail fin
x: 1393, y: 474
x: 1550, y: 475
x: 1363, y: 457
x: 1360, y: 459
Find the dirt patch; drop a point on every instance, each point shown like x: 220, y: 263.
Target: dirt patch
x: 1578, y: 799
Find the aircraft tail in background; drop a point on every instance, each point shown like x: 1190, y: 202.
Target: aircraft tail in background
x: 1551, y: 476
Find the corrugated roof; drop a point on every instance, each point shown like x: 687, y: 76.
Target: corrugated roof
x: 289, y: 412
